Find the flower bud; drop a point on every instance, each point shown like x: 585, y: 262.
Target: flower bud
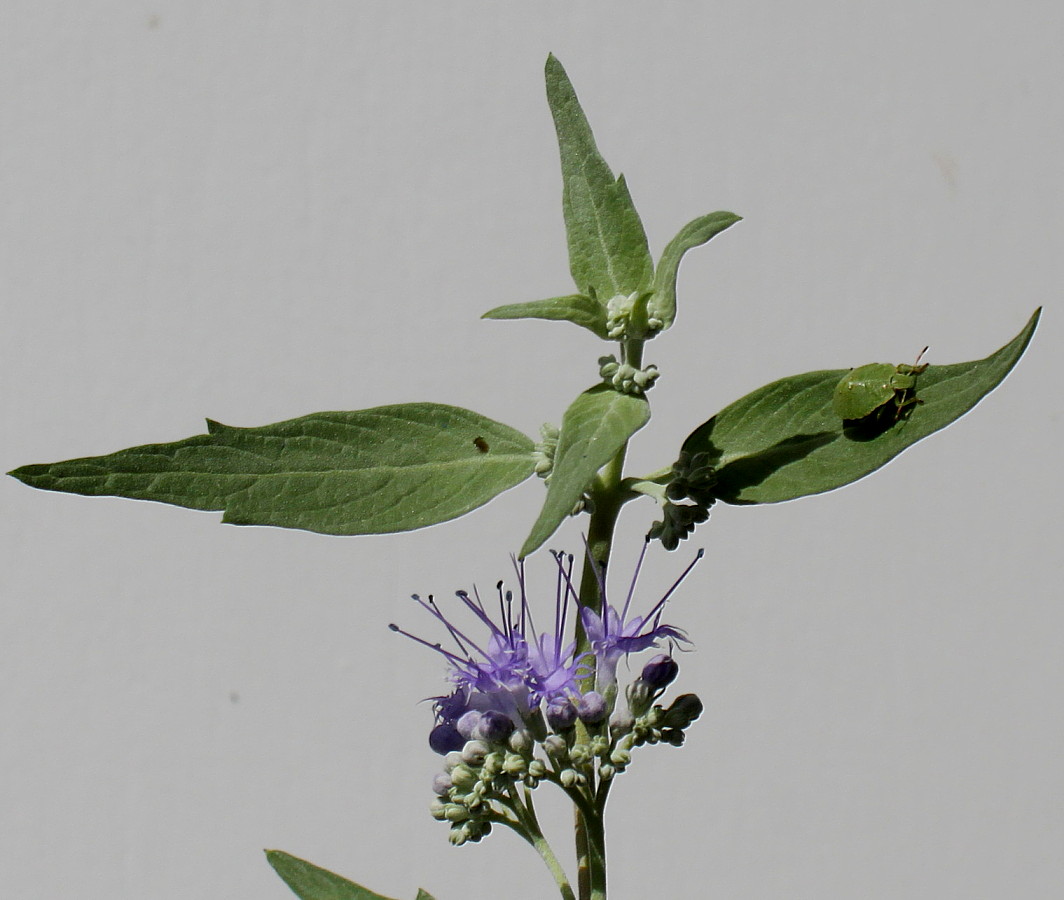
x: 444, y: 738
x: 561, y: 714
x: 621, y: 722
x: 684, y: 710
x: 474, y: 753
x: 468, y: 723
x: 464, y: 777
x: 441, y: 784
x: 521, y: 741
x: 639, y: 696
x: 591, y: 708
x: 555, y: 745
x: 493, y: 727
x: 660, y: 672
x: 455, y: 812
x: 570, y: 778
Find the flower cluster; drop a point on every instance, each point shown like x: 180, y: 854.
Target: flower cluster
x: 527, y: 707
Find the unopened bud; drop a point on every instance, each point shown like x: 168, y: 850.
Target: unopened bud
x: 561, y: 714
x: 441, y: 784
x: 467, y: 723
x: 473, y: 752
x: 660, y: 672
x: 591, y: 708
x: 493, y: 727
x: 684, y: 710
x: 445, y: 738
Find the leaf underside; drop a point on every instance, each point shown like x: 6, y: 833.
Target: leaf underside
x: 594, y: 428
x: 783, y: 441
x: 310, y: 882
x: 373, y: 471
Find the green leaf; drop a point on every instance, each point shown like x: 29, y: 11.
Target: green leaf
x: 783, y: 441
x: 608, y: 253
x: 663, y: 302
x: 594, y: 428
x: 310, y: 882
x: 374, y: 471
x: 422, y: 894
x: 577, y: 308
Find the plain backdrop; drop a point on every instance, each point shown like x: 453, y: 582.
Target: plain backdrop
x: 260, y: 209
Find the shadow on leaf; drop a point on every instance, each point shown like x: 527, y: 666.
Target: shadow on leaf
x: 751, y: 470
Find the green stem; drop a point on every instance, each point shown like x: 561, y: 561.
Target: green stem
x: 608, y: 496
x: 528, y: 828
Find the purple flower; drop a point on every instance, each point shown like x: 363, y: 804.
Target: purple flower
x: 614, y: 634
x: 517, y: 667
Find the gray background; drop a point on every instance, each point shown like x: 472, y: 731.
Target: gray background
x: 256, y: 210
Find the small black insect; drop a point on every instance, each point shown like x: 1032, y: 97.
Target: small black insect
x: 480, y: 444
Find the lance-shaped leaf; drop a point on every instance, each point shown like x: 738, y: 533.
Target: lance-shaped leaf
x: 374, y: 471
x: 608, y: 253
x: 783, y: 440
x: 662, y: 304
x: 577, y: 308
x: 310, y: 882
x: 597, y: 424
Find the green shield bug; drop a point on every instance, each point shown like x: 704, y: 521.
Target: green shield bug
x: 871, y: 388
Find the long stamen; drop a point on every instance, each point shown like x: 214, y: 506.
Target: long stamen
x: 657, y: 610
x: 526, y: 613
x: 635, y: 578
x: 464, y: 642
x: 568, y: 576
x: 457, y: 660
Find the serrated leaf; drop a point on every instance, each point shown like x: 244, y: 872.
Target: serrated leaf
x: 662, y: 304
x: 373, y: 471
x: 576, y: 308
x: 310, y: 882
x: 608, y: 252
x: 594, y: 428
x: 783, y: 441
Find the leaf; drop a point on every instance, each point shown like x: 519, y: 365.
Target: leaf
x: 608, y: 253
x: 783, y: 441
x: 310, y: 882
x: 422, y: 894
x: 597, y: 424
x: 577, y: 308
x: 663, y: 302
x: 374, y: 471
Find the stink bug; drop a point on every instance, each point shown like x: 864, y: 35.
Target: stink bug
x: 868, y: 389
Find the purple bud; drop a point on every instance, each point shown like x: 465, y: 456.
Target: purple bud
x: 441, y: 784
x: 445, y: 738
x: 660, y: 672
x: 591, y: 708
x: 561, y: 714
x: 468, y: 723
x: 494, y: 727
